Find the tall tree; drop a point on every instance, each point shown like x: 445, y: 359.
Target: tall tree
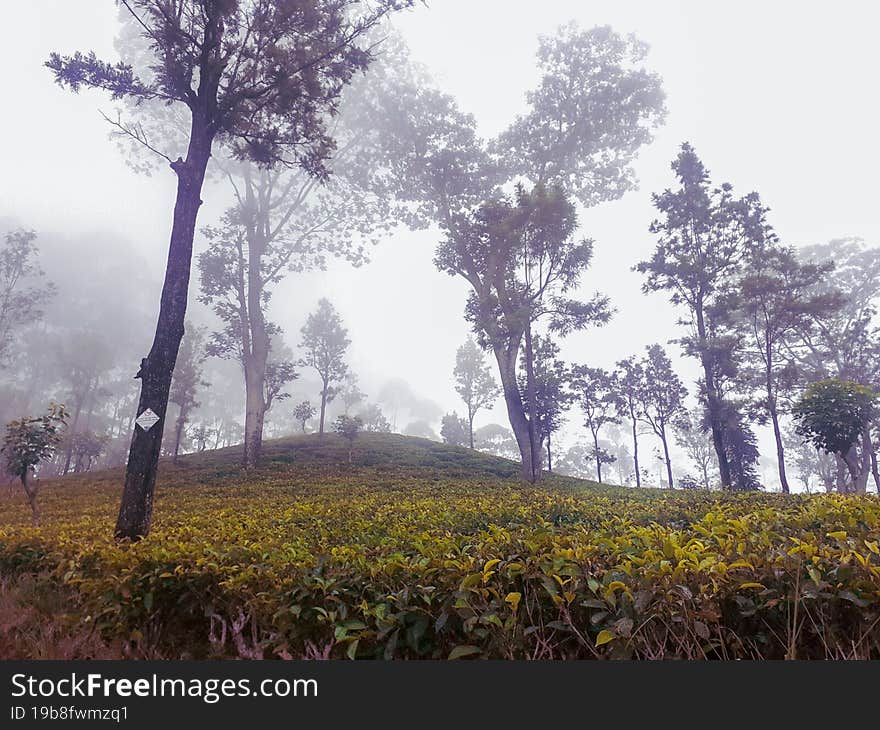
x: 22, y: 293
x: 552, y: 394
x: 630, y: 380
x: 325, y: 342
x: 473, y: 382
x: 264, y: 75
x: 187, y: 380
x: 661, y: 399
x: 706, y: 235
x: 594, y: 106
x: 597, y: 394
x: 521, y: 259
x: 776, y: 300
x: 692, y: 437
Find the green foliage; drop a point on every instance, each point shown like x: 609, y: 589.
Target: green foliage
x: 455, y: 430
x: 832, y: 413
x: 349, y: 427
x: 420, y: 551
x: 325, y: 341
x: 31, y: 440
x: 473, y: 382
x: 303, y: 412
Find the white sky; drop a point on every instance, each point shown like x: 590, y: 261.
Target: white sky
x: 781, y: 97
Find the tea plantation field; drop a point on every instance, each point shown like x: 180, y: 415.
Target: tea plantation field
x: 420, y: 550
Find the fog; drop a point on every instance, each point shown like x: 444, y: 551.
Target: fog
x: 780, y: 98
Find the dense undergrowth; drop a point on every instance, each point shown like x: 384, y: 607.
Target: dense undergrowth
x: 418, y: 550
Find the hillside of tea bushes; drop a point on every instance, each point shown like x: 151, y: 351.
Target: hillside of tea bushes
x: 419, y: 550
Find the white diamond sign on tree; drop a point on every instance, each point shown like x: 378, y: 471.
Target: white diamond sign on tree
x: 147, y: 419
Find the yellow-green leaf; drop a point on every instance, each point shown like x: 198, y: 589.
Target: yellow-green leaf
x: 464, y: 650
x: 604, y: 637
x: 513, y: 599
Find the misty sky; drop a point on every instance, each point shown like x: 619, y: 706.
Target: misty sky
x: 778, y: 97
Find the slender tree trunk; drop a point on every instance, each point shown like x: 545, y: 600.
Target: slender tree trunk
x: 31, y: 493
x: 666, y: 455
x: 135, y: 511
x: 255, y: 365
x: 178, y: 432
x: 636, y: 452
x: 598, y: 456
x: 780, y: 451
x: 71, y: 432
x: 533, y: 409
x: 471, y: 426
x: 549, y: 456
x: 323, y: 408
x: 861, y: 484
x: 874, y: 470
x: 713, y: 402
x: 705, y: 475
x: 506, y: 359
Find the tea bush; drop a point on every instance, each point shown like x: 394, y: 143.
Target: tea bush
x: 394, y: 558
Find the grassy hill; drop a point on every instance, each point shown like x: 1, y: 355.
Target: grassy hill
x: 420, y: 550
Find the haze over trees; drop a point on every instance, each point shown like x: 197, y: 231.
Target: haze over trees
x: 518, y: 253
x: 286, y: 220
x: 324, y: 342
x: 221, y: 61
x: 23, y: 291
x: 597, y: 395
x: 473, y: 382
x: 705, y: 236
x: 187, y: 380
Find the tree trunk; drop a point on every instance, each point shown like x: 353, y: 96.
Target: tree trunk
x: 713, y: 402
x: 135, y: 511
x: 471, y: 427
x: 255, y: 411
x: 598, y: 456
x: 874, y: 469
x: 506, y: 359
x: 71, y: 432
x: 323, y: 409
x: 31, y: 493
x: 666, y: 456
x: 178, y: 432
x: 533, y: 408
x: 636, y: 453
x: 780, y: 451
x: 549, y: 456
x: 255, y: 364
x: 841, y: 474
x: 859, y: 465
